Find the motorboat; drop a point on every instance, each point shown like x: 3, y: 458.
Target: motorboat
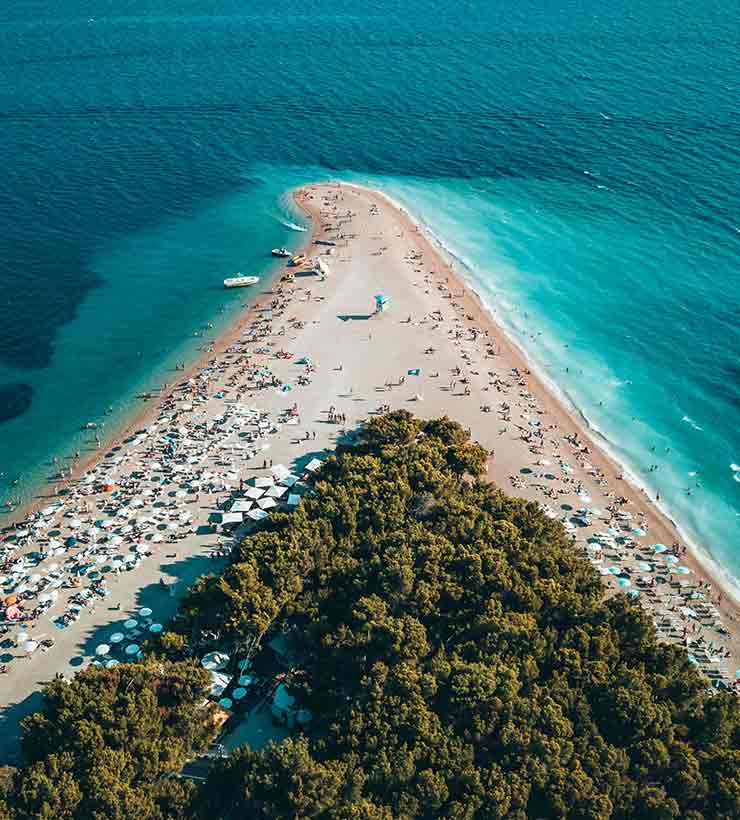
x: 240, y: 281
x: 281, y: 252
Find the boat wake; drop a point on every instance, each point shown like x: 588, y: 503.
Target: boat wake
x: 692, y: 423
x: 293, y: 226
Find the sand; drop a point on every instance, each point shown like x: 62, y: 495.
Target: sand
x: 361, y: 361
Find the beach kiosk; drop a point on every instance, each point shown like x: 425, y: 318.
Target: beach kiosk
x: 381, y: 303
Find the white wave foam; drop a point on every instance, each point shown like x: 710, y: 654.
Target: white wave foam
x: 292, y: 226
x: 692, y: 423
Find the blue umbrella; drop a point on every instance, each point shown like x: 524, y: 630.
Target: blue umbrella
x: 634, y: 593
x: 660, y: 548
x: 614, y: 570
x: 623, y: 582
x: 70, y: 542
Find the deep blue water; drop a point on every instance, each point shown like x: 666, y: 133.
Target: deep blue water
x: 581, y: 159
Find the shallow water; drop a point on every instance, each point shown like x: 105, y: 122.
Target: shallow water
x: 581, y: 161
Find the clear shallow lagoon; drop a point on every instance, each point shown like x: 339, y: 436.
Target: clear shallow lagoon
x: 583, y: 164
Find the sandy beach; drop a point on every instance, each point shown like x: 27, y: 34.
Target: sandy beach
x: 297, y: 372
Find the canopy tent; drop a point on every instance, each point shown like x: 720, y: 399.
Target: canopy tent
x: 241, y: 505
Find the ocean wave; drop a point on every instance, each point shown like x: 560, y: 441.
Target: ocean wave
x: 692, y: 423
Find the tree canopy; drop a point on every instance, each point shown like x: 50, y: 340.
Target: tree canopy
x: 107, y: 744
x: 460, y: 659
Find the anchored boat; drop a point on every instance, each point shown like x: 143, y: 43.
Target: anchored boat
x: 240, y: 281
x: 283, y: 252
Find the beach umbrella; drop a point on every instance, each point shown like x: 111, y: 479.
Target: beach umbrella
x: 614, y: 570
x: 645, y: 566
x: 246, y: 680
x: 671, y: 559
x: 239, y: 693
x: 683, y: 570
x: 634, y: 593
x: 132, y: 649
x: 660, y: 548
x: 244, y: 664
x: 141, y: 548
x: 155, y: 628
x: 112, y: 663
x: 131, y: 623
x: 116, y: 637
x: 30, y: 646
x: 21, y: 637
x: 623, y: 582
x: 639, y: 532
x: 75, y: 523
x: 70, y: 542
x: 156, y: 538
x: 130, y: 559
x: 34, y: 578
x: 102, y: 649
x: 145, y: 612
x: 225, y: 703
x: 48, y: 596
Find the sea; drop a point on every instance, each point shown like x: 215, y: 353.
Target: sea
x: 580, y: 161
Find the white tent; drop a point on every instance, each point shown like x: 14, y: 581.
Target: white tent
x: 280, y: 471
x: 257, y: 515
x: 242, y: 505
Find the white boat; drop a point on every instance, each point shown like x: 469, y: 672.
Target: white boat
x: 240, y: 281
x: 282, y: 252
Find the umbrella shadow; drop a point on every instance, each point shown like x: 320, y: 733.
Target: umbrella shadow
x: 156, y: 597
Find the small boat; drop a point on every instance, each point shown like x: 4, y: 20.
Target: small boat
x: 240, y: 281
x: 282, y: 252
x: 299, y: 259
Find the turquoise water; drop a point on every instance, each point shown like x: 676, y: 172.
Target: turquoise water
x: 580, y: 161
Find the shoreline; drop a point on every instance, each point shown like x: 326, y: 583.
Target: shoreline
x: 142, y: 415
x: 700, y: 555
